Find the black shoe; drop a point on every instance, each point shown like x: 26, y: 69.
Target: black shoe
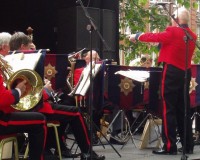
x: 188, y: 151
x: 86, y: 156
x: 68, y: 154
x: 116, y: 141
x: 164, y: 152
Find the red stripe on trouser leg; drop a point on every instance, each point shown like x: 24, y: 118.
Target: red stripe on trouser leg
x: 168, y: 144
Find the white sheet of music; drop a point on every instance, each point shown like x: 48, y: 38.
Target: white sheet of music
x: 85, y: 82
x: 20, y: 61
x: 140, y: 76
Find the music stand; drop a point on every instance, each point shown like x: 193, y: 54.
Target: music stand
x: 92, y: 27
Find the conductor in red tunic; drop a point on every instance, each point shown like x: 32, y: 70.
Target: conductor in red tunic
x: 173, y: 56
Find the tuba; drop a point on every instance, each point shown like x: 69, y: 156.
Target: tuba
x: 34, y: 85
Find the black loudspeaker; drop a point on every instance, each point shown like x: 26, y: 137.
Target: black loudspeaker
x: 109, y: 30
x: 72, y: 29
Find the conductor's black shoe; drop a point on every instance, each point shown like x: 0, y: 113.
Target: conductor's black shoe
x: 116, y: 141
x: 67, y: 153
x: 164, y: 152
x: 95, y: 156
x: 187, y: 151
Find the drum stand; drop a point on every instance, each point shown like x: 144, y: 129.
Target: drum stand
x: 149, y: 116
x: 124, y: 133
x: 194, y: 119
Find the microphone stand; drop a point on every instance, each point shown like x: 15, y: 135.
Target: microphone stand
x: 93, y: 24
x: 91, y: 27
x: 186, y: 38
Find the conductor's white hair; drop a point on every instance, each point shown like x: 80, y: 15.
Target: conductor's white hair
x: 182, y: 14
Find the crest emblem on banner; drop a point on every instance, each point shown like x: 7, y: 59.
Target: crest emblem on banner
x: 193, y: 84
x: 49, y: 71
x: 126, y: 86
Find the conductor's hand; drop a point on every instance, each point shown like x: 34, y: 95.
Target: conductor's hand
x: 132, y: 38
x: 22, y: 87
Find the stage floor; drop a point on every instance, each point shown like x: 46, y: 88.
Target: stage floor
x: 132, y: 152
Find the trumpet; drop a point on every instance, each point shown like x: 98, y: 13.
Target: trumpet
x: 73, y: 90
x: 69, y: 84
x: 76, y: 55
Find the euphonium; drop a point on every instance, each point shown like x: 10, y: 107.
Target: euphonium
x: 34, y: 85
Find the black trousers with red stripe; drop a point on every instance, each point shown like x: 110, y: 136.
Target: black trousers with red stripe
x: 174, y: 107
x: 27, y: 122
x: 70, y: 115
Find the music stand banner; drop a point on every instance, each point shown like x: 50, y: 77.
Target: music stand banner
x: 55, y: 69
x: 128, y: 94
x: 195, y: 86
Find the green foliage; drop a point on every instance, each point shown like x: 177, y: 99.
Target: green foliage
x: 196, y: 58
x: 137, y: 17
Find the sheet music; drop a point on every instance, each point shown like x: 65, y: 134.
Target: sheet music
x: 85, y: 82
x: 140, y: 76
x: 20, y: 61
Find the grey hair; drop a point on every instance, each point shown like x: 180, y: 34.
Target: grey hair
x: 182, y: 14
x: 4, y: 38
x: 17, y: 39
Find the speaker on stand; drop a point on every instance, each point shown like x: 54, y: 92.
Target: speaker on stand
x: 72, y: 29
x: 108, y: 30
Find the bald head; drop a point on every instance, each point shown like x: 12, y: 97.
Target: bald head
x: 95, y: 56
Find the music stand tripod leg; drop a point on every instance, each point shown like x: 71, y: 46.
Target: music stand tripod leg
x: 106, y: 139
x: 111, y: 123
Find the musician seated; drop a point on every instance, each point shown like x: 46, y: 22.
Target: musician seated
x: 101, y: 102
x: 14, y: 121
x: 62, y: 113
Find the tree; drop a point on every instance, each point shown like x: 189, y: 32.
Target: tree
x: 140, y: 16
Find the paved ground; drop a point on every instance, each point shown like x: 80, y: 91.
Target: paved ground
x: 132, y: 151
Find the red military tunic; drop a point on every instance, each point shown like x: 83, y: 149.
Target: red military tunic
x: 46, y: 106
x: 173, y: 49
x: 9, y: 97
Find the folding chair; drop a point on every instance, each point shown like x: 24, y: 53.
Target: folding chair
x: 5, y: 140
x: 55, y: 125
